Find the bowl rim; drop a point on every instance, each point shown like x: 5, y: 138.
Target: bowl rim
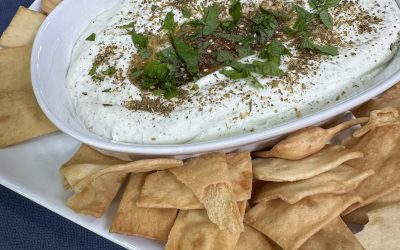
x: 198, y: 147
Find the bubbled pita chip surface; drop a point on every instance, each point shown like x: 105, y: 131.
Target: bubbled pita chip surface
x: 175, y: 194
x: 334, y: 236
x: 281, y: 170
x: 382, y: 230
x: 381, y: 148
x: 339, y: 180
x: 151, y: 223
x: 21, y: 118
x: 208, y: 178
x: 290, y: 226
x: 22, y: 29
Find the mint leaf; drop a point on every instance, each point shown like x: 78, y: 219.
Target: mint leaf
x: 230, y: 37
x: 326, y: 18
x: 156, y: 70
x: 91, y: 38
x: 234, y: 74
x: 235, y: 11
x: 145, y: 53
x: 267, y: 68
x: 139, y: 40
x: 169, y: 22
x: 315, y: 4
x: 274, y: 51
x: 186, y: 13
x: 224, y: 56
x: 130, y: 25
x: 331, y: 3
x: 264, y: 25
x: 187, y: 54
x: 93, y: 70
x: 303, y: 19
x: 168, y: 55
x: 244, y: 51
x: 327, y: 50
x: 109, y: 72
x: 210, y: 20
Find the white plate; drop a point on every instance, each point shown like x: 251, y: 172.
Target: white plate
x: 36, y: 176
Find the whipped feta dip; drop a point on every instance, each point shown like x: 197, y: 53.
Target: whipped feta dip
x: 216, y: 106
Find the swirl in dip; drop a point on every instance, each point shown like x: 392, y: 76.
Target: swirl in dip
x: 173, y: 71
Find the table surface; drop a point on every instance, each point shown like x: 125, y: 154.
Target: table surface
x: 23, y: 223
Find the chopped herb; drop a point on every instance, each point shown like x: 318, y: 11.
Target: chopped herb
x: 93, y: 70
x: 187, y: 54
x: 140, y: 40
x: 210, y: 19
x: 224, y: 56
x: 107, y: 105
x: 186, y: 13
x: 244, y: 51
x: 326, y: 18
x: 109, y: 72
x: 145, y: 53
x: 264, y: 25
x: 130, y: 25
x: 91, y: 38
x: 169, y: 22
x: 231, y: 37
x: 154, y: 7
x: 274, y: 51
x: 106, y: 90
x: 236, y: 11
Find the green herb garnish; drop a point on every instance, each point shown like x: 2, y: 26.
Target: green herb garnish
x: 210, y: 20
x: 169, y: 22
x: 236, y: 11
x: 91, y: 38
x: 186, y: 13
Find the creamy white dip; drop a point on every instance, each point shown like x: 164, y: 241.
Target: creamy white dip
x: 336, y: 78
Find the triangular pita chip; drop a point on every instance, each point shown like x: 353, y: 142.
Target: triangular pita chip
x: 381, y: 148
x: 208, y: 178
x: 21, y: 118
x: 151, y: 223
x: 290, y: 226
x: 251, y: 239
x: 175, y: 194
x: 382, y: 230
x: 22, y: 29
x: 334, y: 236
x: 340, y: 180
x: 280, y: 170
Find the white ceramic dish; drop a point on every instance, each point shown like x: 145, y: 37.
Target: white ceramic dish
x: 50, y: 61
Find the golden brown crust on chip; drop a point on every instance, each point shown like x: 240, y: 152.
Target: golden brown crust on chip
x: 22, y: 29
x: 291, y: 226
x: 334, y: 236
x: 151, y: 223
x: 241, y: 176
x: 251, y: 239
x: 49, y: 5
x: 280, y: 170
x: 340, y: 180
x: 21, y: 118
x: 208, y: 178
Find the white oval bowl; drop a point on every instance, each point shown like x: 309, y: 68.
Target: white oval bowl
x: 50, y: 62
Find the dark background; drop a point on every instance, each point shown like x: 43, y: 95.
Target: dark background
x: 26, y: 225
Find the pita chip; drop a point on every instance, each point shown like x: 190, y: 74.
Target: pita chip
x: 290, y: 226
x: 381, y: 148
x: 208, y: 178
x: 175, y: 194
x: 382, y: 230
x: 378, y: 118
x: 22, y: 29
x: 391, y: 98
x: 334, y: 236
x: 21, y: 118
x: 340, y: 180
x: 49, y: 5
x: 151, y: 223
x: 281, y: 170
x: 251, y: 239
x: 360, y: 216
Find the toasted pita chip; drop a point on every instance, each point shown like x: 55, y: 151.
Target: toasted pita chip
x: 340, y: 180
x: 85, y: 161
x: 193, y: 230
x: 175, y: 194
x: 151, y: 223
x: 378, y: 118
x: 334, y: 236
x: 307, y: 141
x: 21, y: 118
x: 381, y: 148
x: 251, y: 239
x: 280, y: 170
x: 291, y: 226
x: 360, y: 216
x: 22, y: 29
x: 48, y: 6
x: 391, y: 98
x: 382, y: 230
x: 97, y: 196
x: 208, y: 178
x: 132, y: 167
